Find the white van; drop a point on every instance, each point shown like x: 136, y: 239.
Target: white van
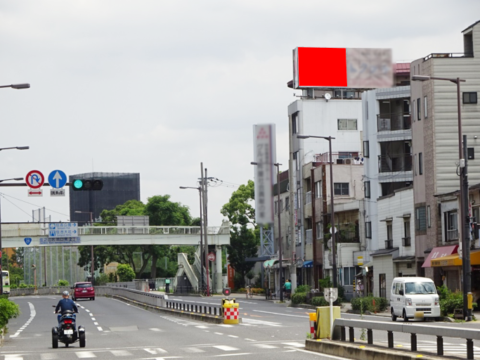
x: 414, y: 297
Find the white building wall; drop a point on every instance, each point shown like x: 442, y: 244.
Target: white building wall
x: 382, y: 265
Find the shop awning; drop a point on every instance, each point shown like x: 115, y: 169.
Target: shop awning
x: 456, y: 260
x: 439, y: 252
x: 308, y: 264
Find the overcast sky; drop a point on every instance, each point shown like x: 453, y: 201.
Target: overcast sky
x: 156, y: 87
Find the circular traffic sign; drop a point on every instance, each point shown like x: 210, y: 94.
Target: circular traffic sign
x: 57, y: 179
x: 211, y: 256
x: 35, y: 179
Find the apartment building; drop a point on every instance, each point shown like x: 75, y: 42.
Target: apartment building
x: 438, y: 226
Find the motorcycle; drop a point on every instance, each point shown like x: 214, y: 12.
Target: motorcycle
x: 67, y: 332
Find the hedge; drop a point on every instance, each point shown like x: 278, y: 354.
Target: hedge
x: 319, y: 301
x: 299, y: 298
x: 8, y: 310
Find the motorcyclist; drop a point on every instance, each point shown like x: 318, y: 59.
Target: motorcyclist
x: 65, y: 304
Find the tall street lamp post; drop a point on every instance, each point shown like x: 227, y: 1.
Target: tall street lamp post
x: 334, y: 250
x: 201, y: 229
x: 280, y: 255
x: 465, y: 220
x: 1, y: 275
x: 91, y: 246
x: 16, y: 86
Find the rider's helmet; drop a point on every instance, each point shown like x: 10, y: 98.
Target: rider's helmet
x: 65, y: 293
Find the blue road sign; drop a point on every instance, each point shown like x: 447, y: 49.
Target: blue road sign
x: 27, y: 240
x: 62, y: 230
x: 60, y: 241
x: 57, y: 179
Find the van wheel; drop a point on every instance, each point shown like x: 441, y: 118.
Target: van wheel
x: 394, y: 317
x: 405, y: 318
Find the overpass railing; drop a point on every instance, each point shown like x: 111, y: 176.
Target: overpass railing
x: 413, y: 329
x: 192, y: 307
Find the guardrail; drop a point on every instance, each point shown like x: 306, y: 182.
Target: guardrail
x: 207, y: 309
x: 440, y: 332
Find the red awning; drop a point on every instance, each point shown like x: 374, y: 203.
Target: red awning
x: 439, y: 252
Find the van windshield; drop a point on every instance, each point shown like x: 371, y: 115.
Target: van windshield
x: 420, y: 288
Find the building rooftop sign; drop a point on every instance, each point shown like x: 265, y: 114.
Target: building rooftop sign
x: 342, y: 68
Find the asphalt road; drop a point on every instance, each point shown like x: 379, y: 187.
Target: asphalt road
x: 117, y: 330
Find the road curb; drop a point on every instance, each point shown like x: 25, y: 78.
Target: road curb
x: 359, y: 351
x: 179, y: 313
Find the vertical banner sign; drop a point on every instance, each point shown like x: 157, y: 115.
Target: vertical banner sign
x: 231, y: 276
x: 264, y: 155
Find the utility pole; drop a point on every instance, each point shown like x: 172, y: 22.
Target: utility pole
x: 203, y: 184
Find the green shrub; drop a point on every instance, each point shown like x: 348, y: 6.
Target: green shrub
x: 319, y: 301
x: 63, y: 283
x: 13, y: 286
x: 380, y: 304
x: 299, y: 298
x: 443, y: 292
x: 302, y: 289
x: 23, y: 286
x: 125, y: 272
x: 8, y: 310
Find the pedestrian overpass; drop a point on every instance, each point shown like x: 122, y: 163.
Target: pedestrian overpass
x: 33, y: 235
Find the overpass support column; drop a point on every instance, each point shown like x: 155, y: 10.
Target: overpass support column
x: 218, y: 270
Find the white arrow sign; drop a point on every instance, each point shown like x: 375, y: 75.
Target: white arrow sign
x: 57, y: 177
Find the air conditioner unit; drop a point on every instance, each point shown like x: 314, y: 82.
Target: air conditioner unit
x: 348, y: 161
x: 340, y: 161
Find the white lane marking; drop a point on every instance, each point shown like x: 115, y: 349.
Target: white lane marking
x: 85, y: 354
x: 13, y: 357
x: 318, y: 354
x: 87, y: 310
x: 265, y: 346
x: 238, y: 354
x: 120, y: 352
x: 250, y: 340
x: 155, y: 329
x: 218, y: 333
x: 225, y: 325
x: 193, y: 350
x: 202, y: 327
x: 32, y: 315
x: 91, y: 314
x: 154, y: 351
x: 233, y: 336
x: 225, y: 348
x: 95, y: 323
x: 99, y: 328
x: 260, y: 322
x: 274, y: 313
x: 295, y: 344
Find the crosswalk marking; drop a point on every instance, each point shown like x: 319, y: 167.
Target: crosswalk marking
x: 13, y: 357
x: 155, y: 351
x: 265, y: 346
x: 295, y: 344
x: 48, y: 356
x: 85, y: 354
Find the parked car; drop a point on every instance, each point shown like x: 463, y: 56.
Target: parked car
x: 83, y: 290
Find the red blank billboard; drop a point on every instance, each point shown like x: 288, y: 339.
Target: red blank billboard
x: 322, y: 67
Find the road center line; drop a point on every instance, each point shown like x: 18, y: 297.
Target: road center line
x: 32, y: 315
x: 274, y: 313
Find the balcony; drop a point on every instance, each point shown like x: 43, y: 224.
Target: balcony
x: 448, y: 55
x: 389, y: 244
x: 393, y: 122
x: 407, y: 241
x: 394, y: 163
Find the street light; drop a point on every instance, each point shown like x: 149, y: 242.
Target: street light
x: 16, y: 147
x: 16, y: 86
x: 467, y: 279
x: 334, y: 250
x: 1, y: 276
x: 280, y: 255
x: 91, y: 246
x: 201, y: 229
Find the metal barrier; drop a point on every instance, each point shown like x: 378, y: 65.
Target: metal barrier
x: 413, y: 329
x: 207, y: 309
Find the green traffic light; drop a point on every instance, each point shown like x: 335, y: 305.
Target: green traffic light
x: 78, y: 184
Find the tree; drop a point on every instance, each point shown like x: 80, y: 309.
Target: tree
x: 125, y: 272
x: 130, y: 208
x: 244, y: 240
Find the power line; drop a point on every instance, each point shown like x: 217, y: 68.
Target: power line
x: 26, y: 202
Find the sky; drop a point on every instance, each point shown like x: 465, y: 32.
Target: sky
x: 158, y: 87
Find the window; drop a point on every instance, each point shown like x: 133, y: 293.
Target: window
x: 319, y: 230
x: 419, y: 110
x: 276, y: 207
x: 347, y: 124
x: 420, y: 219
x: 413, y: 110
x: 318, y: 189
x: 429, y: 220
x: 297, y: 160
x: 420, y: 163
x: 366, y: 150
x: 470, y: 153
x: 367, y: 189
x: 295, y: 123
x: 470, y: 97
x: 368, y: 229
x: 406, y: 233
x: 340, y: 189
x: 451, y: 226
x: 287, y: 203
x: 382, y: 282
x: 348, y: 275
x: 425, y: 107
x: 389, y: 230
x: 415, y: 165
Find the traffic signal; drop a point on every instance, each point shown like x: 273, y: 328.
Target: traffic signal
x: 87, y: 184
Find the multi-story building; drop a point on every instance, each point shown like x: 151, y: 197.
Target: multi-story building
x: 339, y: 115
x: 387, y: 149
x: 117, y: 189
x: 436, y: 148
